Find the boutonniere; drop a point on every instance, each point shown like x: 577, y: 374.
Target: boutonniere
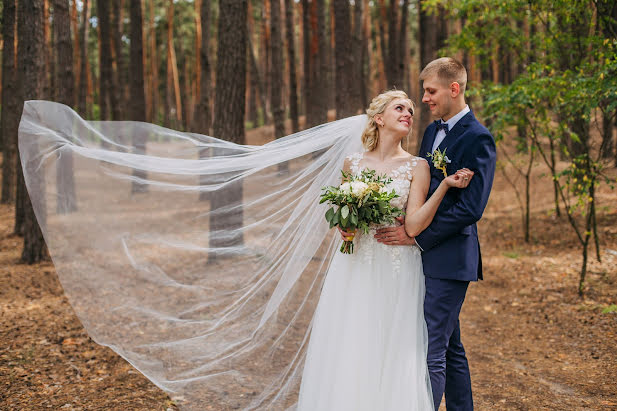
x: 440, y: 160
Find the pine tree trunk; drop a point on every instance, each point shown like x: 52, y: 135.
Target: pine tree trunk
x: 402, y: 57
x: 117, y: 88
x: 138, y: 97
x: 76, y: 48
x: 325, y: 77
x: 393, y: 46
x: 291, y: 56
x: 9, y: 122
x: 276, y: 69
x: 306, y: 50
x: 430, y: 41
x: 173, y: 80
x: 358, y: 54
x: 82, y: 102
x: 66, y: 200
x: 154, y: 69
x: 31, y: 67
x: 228, y: 119
x: 343, y: 59
x: 203, y: 116
x: 105, y: 62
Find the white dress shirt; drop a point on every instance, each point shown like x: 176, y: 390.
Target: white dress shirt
x: 441, y: 134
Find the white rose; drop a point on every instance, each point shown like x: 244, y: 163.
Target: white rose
x: 358, y: 188
x: 345, y: 188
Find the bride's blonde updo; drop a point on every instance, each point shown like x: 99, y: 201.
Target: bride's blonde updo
x: 370, y: 136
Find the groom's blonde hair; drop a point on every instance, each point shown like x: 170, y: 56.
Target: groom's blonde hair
x: 448, y: 70
x: 370, y: 136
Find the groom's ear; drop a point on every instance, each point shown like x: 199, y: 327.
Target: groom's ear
x: 455, y: 89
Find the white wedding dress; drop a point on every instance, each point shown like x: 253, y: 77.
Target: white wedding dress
x: 368, y: 344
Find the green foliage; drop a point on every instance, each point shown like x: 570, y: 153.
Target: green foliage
x: 609, y: 309
x: 566, y: 77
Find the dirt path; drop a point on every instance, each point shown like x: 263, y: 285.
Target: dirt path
x: 533, y: 344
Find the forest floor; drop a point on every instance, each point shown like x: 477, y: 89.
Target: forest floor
x: 532, y: 342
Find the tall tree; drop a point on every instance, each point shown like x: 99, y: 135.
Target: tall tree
x: 9, y: 122
x: 173, y: 80
x: 322, y: 67
x: 343, y: 59
x: 203, y: 116
x: 31, y: 75
x: 431, y: 38
x: 229, y: 106
x: 358, y: 91
x: 117, y: 89
x: 276, y: 69
x: 105, y: 60
x: 153, y: 86
x: 66, y: 202
x: 307, y: 85
x: 138, y: 97
x: 82, y: 103
x: 291, y: 58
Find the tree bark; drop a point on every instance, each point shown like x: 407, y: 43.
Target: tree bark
x: 343, y: 59
x: 9, y: 122
x: 229, y: 115
x: 276, y: 69
x: 117, y: 89
x: 105, y: 62
x: 82, y: 103
x: 138, y: 97
x: 431, y: 39
x: 65, y: 183
x: 203, y: 117
x: 322, y: 66
x: 31, y: 77
x: 173, y: 80
x: 357, y: 80
x: 306, y: 49
x: 154, y: 68
x: 291, y: 56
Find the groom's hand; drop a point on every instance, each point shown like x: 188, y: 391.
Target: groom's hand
x: 395, y: 235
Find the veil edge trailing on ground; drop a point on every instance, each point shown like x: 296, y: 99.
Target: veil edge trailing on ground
x: 198, y: 260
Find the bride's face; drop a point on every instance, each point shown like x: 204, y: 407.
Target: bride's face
x: 397, y: 118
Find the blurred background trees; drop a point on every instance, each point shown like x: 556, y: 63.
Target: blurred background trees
x: 542, y: 76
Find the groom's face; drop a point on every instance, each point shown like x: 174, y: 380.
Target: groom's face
x: 438, y: 97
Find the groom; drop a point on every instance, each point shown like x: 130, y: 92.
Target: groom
x: 450, y: 248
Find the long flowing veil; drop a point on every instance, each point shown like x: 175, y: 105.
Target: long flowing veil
x: 197, y: 260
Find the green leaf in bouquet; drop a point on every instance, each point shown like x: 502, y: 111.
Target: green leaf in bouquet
x: 354, y: 218
x: 330, y: 214
x: 337, y: 217
x: 344, y: 212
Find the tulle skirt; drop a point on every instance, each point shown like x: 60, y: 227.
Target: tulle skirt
x: 368, y: 344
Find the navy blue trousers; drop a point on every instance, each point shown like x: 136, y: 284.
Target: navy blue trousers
x: 447, y: 364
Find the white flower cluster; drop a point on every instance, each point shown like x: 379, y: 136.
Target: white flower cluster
x: 355, y: 188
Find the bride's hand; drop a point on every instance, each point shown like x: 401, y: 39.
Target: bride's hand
x: 460, y: 179
x: 346, y: 234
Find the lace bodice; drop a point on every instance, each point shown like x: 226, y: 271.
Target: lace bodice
x: 401, y: 176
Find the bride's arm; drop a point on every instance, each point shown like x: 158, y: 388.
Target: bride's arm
x: 419, y: 213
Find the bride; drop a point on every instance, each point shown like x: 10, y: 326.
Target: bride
x: 368, y: 343
x: 281, y: 319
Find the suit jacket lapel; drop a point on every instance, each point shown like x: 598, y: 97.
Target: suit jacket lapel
x: 456, y: 131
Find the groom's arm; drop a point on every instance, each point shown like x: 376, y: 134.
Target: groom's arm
x: 470, y: 206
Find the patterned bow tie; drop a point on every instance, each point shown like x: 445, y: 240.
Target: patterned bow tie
x: 441, y: 126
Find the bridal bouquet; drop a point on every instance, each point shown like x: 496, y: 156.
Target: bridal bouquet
x: 358, y: 202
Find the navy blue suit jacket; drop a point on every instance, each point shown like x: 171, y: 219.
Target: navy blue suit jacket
x: 450, y: 243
